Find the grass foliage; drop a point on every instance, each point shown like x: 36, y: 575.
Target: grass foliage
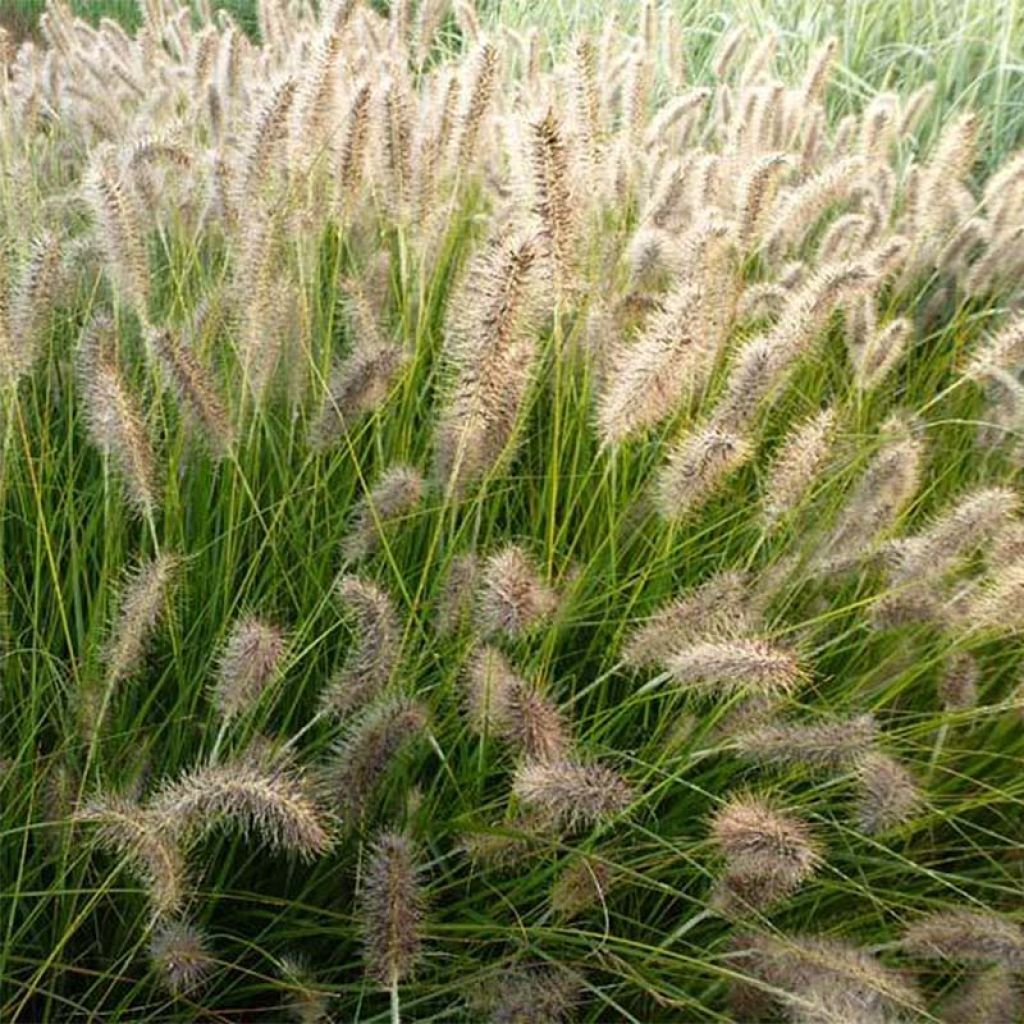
x: 508, y: 528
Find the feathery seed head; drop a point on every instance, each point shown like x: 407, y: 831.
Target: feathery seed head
x: 888, y: 794
x: 180, y: 953
x: 727, y: 667
x: 967, y: 936
x: 249, y: 662
x: 512, y: 598
x: 571, y: 795
x: 825, y: 745
x: 393, y: 497
x: 391, y: 908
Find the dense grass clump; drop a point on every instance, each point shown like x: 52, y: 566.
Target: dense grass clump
x: 499, y: 530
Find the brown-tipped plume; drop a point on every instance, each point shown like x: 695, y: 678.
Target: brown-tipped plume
x: 798, y: 464
x: 697, y: 467
x: 359, y: 384
x: 352, y: 150
x: 501, y: 703
x: 180, y: 955
x: 967, y: 936
x: 267, y: 135
x: 512, y: 598
x: 724, y: 668
x: 267, y: 799
x: 371, y: 662
x: 391, y: 909
x: 195, y: 390
x: 883, y: 350
x: 553, y: 203
x: 888, y: 485
x: 392, y: 498
x: 887, y: 793
x: 143, y: 602
x: 825, y: 745
x: 136, y: 835
x: 767, y: 854
x: 248, y: 664
x: 120, y: 231
x: 652, y: 377
x: 32, y: 306
x: 114, y: 418
x: 572, y: 795
x: 973, y: 520
x: 483, y: 77
x: 491, y: 349
x: 368, y: 751
x: 718, y: 608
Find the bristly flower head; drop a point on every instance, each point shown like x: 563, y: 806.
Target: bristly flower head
x: 544, y: 995
x: 257, y: 794
x: 767, y: 854
x: 395, y: 495
x: 391, y: 908
x: 180, y: 953
x: 572, y: 794
x: 828, y: 744
x: 250, y: 660
x: 967, y: 936
x: 723, y: 668
x: 993, y: 996
x: 888, y: 794
x: 371, y: 662
x: 137, y: 836
x: 369, y: 748
x: 584, y: 883
x: 512, y: 598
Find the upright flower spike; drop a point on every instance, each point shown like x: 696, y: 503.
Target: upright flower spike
x: 248, y: 664
x: 798, y: 464
x: 491, y: 351
x: 114, y: 418
x: 391, y: 910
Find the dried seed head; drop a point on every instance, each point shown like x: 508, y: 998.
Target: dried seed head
x: 825, y: 745
x: 717, y: 608
x: 195, y: 389
x: 967, y: 936
x: 249, y: 662
x: 369, y: 749
x: 697, y: 467
x: 136, y: 835
x: 490, y: 347
x: 305, y: 1003
x: 252, y: 792
x: 553, y: 202
x: 359, y: 384
x: 827, y: 981
x: 571, y: 795
x: 180, y: 954
x: 393, y: 497
x: 371, y: 662
x: 391, y: 909
x: 799, y: 464
x: 514, y: 844
x: 113, y: 417
x: 455, y: 603
x: 768, y: 854
x: 143, y: 602
x: 724, y: 668
x: 887, y: 794
x: 512, y: 598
